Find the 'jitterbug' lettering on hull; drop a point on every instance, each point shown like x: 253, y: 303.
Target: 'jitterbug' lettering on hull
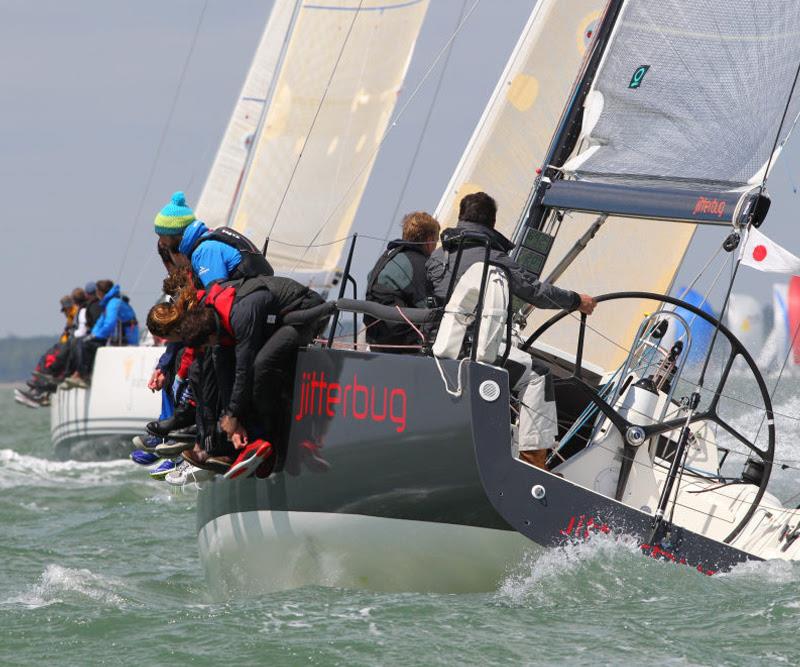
x: 320, y: 398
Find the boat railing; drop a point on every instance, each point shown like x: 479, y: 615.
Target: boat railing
x: 422, y: 316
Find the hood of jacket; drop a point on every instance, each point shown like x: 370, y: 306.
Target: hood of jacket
x: 113, y: 293
x: 190, y: 236
x: 451, y: 235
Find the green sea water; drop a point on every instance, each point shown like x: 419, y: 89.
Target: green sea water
x: 99, y: 565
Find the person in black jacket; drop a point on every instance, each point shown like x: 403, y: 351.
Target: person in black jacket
x: 537, y: 425
x: 253, y: 349
x: 398, y: 279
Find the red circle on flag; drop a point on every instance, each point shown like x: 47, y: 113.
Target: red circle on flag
x: 759, y: 253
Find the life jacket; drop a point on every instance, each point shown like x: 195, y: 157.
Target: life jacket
x: 253, y: 262
x: 221, y: 298
x: 289, y: 294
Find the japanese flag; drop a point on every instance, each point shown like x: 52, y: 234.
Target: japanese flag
x: 765, y: 255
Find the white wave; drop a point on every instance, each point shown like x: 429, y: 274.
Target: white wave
x: 544, y: 567
x: 769, y: 571
x: 59, y: 584
x: 24, y: 470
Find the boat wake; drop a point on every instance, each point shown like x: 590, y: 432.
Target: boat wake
x: 539, y: 574
x: 18, y: 470
x: 59, y: 584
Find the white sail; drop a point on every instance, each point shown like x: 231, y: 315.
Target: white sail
x: 512, y: 136
x: 334, y: 94
x: 510, y: 143
x: 227, y: 171
x: 776, y: 346
x: 745, y: 318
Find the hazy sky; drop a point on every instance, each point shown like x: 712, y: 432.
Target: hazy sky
x: 85, y: 92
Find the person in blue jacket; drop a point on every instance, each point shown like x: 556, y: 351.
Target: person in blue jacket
x: 214, y: 255
x: 116, y: 325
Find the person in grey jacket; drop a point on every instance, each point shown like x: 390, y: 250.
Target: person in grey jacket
x: 476, y: 217
x: 477, y: 214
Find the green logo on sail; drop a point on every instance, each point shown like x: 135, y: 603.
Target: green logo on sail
x: 638, y: 75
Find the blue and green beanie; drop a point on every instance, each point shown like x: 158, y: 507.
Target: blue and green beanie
x: 174, y: 217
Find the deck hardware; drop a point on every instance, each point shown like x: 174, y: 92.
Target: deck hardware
x: 635, y: 435
x: 538, y: 491
x: 489, y: 390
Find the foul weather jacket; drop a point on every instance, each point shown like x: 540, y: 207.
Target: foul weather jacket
x: 117, y: 321
x: 214, y: 260
x: 250, y: 312
x: 523, y: 284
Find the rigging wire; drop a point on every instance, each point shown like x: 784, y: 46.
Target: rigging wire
x: 162, y: 139
x: 424, y: 131
x: 386, y: 132
x: 322, y: 99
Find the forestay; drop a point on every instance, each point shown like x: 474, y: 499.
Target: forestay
x: 224, y: 180
x: 338, y: 82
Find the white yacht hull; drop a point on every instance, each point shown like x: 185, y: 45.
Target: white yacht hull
x: 262, y: 551
x: 99, y: 422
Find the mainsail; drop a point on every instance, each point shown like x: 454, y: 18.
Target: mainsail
x: 688, y: 108
x: 227, y: 172
x: 338, y: 80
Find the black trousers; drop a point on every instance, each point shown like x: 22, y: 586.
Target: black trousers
x: 273, y: 375
x: 88, y: 352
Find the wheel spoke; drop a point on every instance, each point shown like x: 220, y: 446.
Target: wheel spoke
x: 747, y: 443
x: 613, y: 416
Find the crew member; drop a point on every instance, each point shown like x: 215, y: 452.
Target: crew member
x: 245, y: 317
x: 398, y: 279
x: 214, y: 255
x: 476, y: 221
x: 116, y: 325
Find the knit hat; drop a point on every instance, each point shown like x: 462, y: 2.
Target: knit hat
x: 174, y: 217
x: 90, y: 288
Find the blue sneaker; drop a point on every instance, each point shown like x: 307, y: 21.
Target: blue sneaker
x: 144, y: 458
x: 160, y: 470
x: 147, y: 443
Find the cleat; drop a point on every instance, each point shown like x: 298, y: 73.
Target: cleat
x: 162, y: 468
x: 170, y: 449
x: 143, y: 458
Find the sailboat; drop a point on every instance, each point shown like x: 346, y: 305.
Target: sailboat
x: 781, y: 340
x: 321, y: 85
x: 398, y: 473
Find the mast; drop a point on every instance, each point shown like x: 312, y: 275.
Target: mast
x: 569, y: 128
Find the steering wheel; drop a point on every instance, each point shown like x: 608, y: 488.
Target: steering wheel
x: 633, y: 435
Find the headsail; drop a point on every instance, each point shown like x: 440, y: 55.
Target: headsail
x: 225, y: 178
x: 336, y: 89
x: 512, y: 136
